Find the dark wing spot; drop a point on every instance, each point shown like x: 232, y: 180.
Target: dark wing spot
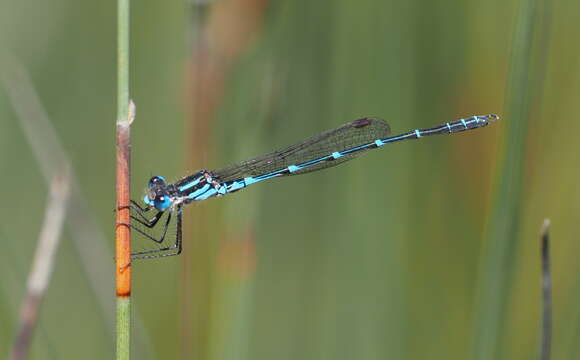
x: 360, y: 123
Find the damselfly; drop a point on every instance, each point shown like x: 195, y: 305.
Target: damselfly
x: 318, y: 152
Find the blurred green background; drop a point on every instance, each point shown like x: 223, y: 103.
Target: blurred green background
x: 424, y: 250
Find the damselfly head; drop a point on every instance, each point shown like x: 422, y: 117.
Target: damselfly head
x: 157, y: 194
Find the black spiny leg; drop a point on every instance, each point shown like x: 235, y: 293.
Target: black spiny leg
x: 141, y: 218
x: 174, y: 249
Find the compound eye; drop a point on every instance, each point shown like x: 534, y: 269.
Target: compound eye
x: 156, y: 180
x: 161, y: 202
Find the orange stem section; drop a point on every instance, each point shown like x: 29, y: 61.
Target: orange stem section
x: 123, y: 231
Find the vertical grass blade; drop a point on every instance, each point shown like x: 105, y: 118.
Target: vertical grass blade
x: 499, y: 263
x: 125, y: 115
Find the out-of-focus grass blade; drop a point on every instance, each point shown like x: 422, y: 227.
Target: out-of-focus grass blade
x: 499, y: 263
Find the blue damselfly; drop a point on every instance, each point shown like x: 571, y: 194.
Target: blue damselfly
x: 318, y: 152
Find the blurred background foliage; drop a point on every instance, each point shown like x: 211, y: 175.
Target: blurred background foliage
x: 423, y: 250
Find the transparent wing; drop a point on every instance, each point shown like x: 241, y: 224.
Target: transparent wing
x: 347, y: 136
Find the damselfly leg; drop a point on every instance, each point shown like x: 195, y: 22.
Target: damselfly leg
x: 155, y: 230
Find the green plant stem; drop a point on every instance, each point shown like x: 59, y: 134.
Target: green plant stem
x: 123, y: 327
x: 123, y: 240
x: 122, y: 60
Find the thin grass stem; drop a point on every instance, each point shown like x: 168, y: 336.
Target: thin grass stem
x: 546, y: 334
x: 43, y: 263
x: 125, y: 116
